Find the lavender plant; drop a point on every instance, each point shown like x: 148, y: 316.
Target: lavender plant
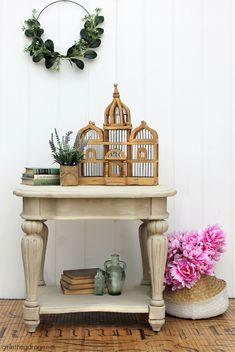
x: 63, y: 152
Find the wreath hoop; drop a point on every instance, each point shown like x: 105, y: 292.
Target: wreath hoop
x: 89, y: 39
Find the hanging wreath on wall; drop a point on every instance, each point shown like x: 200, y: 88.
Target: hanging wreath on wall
x: 82, y: 48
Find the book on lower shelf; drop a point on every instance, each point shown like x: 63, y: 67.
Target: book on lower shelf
x: 81, y: 291
x: 78, y: 282
x: 81, y: 274
x: 81, y: 282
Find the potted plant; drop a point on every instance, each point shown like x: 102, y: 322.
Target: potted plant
x: 68, y: 157
x: 191, y: 288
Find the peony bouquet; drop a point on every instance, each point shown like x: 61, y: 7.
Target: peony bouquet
x: 191, y: 254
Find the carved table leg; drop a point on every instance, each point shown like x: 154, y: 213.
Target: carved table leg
x: 143, y: 237
x: 32, y: 247
x: 44, y: 235
x: 157, y: 253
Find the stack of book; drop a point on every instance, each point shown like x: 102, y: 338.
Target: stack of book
x: 41, y: 176
x: 78, y: 282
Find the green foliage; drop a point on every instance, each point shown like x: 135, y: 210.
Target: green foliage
x: 89, y: 39
x: 90, y: 54
x: 68, y: 157
x: 78, y: 63
x: 63, y: 153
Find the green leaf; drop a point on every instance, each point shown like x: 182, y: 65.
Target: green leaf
x: 39, y: 32
x: 49, y: 61
x: 78, y: 63
x: 55, y: 54
x: 95, y: 43
x: 85, y: 35
x: 87, y: 24
x: 37, y: 40
x: 100, y: 30
x: 29, y: 33
x: 37, y: 58
x: 49, y: 44
x: 90, y: 54
x: 32, y: 22
x: 99, y: 19
x: 70, y: 51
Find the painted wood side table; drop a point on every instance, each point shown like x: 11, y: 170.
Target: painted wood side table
x: 146, y: 203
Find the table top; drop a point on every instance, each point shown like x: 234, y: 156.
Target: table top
x: 94, y: 191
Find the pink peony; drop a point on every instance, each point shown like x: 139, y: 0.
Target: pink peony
x: 191, y: 254
x: 175, y: 243
x: 183, y: 273
x: 213, y: 239
x: 206, y: 266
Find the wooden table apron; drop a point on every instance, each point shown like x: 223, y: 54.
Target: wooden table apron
x: 145, y: 203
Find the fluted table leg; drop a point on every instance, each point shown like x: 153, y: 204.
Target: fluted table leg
x: 32, y: 248
x: 44, y: 235
x: 143, y: 237
x: 157, y: 254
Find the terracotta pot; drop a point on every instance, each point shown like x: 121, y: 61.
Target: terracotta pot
x: 69, y: 175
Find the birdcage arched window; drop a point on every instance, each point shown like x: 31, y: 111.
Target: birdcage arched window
x: 116, y: 169
x: 115, y: 154
x: 143, y: 132
x: 91, y: 132
x: 117, y: 113
x: 90, y: 154
x: 142, y: 154
x: 93, y: 160
x: 115, y: 163
x: 144, y: 151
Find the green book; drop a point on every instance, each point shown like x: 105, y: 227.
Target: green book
x: 40, y: 181
x: 42, y: 171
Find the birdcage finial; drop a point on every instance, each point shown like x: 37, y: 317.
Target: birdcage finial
x: 116, y: 92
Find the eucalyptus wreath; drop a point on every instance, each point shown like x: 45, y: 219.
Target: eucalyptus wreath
x: 82, y: 48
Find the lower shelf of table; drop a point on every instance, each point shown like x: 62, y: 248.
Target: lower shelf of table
x: 133, y: 299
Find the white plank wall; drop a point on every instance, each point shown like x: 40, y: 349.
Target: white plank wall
x: 174, y: 62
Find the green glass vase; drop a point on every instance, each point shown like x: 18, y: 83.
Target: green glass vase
x: 99, y: 283
x: 115, y: 275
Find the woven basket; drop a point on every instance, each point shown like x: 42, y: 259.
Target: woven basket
x: 206, y: 299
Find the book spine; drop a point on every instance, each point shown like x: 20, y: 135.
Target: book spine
x: 47, y: 171
x: 44, y: 176
x: 47, y: 177
x: 77, y: 281
x: 43, y: 182
x: 77, y: 287
x: 77, y: 292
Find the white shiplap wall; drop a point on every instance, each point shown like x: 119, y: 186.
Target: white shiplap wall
x: 174, y: 62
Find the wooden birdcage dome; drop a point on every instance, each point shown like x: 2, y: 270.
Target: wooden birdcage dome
x: 117, y: 114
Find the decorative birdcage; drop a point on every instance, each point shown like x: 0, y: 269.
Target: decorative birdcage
x: 118, y: 154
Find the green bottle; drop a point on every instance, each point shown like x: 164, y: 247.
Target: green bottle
x: 99, y: 283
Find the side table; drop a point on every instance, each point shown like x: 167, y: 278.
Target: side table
x: 146, y: 203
